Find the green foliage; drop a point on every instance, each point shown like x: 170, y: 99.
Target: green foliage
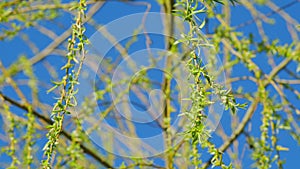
x: 68, y: 146
x: 75, y: 46
x: 204, y: 85
x: 24, y: 14
x: 11, y: 151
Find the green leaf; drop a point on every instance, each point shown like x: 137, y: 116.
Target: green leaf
x: 51, y: 89
x: 281, y: 148
x: 202, y: 24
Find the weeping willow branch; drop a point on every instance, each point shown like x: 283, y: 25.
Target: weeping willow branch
x: 47, y: 120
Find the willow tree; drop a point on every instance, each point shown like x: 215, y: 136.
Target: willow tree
x: 138, y: 84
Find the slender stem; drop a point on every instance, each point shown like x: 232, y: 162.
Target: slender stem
x: 166, y: 87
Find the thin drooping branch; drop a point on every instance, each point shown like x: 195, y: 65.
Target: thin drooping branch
x: 252, y: 108
x: 240, y: 128
x: 86, y: 149
x: 268, y: 14
x: 60, y: 39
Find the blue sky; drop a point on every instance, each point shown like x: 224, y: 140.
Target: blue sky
x: 115, y: 10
